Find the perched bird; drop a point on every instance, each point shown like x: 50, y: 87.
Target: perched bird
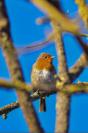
x: 42, y: 76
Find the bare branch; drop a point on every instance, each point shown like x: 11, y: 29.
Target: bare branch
x: 63, y: 69
x: 60, y: 87
x: 35, y: 46
x: 83, y: 46
x: 8, y: 108
x: 78, y: 67
x: 81, y: 63
x: 18, y: 85
x: 16, y: 74
x: 63, y: 100
x: 64, y: 88
x: 61, y: 19
x: 3, y: 22
x: 82, y: 10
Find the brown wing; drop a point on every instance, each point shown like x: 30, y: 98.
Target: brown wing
x: 53, y: 70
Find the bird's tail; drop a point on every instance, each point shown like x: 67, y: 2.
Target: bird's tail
x: 42, y: 104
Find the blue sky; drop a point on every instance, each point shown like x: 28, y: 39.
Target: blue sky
x: 24, y: 31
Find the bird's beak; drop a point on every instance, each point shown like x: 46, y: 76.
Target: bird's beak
x: 53, y: 57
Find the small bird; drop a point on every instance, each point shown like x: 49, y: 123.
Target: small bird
x: 42, y: 76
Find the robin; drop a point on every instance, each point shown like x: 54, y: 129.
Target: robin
x: 42, y: 76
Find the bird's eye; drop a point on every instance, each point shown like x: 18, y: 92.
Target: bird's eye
x: 45, y: 57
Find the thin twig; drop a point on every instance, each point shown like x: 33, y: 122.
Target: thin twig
x: 35, y: 46
x: 8, y: 108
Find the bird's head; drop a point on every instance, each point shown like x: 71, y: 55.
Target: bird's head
x: 44, y: 61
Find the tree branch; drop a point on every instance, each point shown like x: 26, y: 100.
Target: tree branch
x: 16, y: 74
x: 63, y: 100
x: 53, y: 13
x: 82, y: 10
x: 34, y: 46
x: 8, y: 108
x: 83, y: 46
x: 3, y: 22
x: 67, y: 88
x: 64, y: 88
x: 78, y: 67
x: 82, y: 62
